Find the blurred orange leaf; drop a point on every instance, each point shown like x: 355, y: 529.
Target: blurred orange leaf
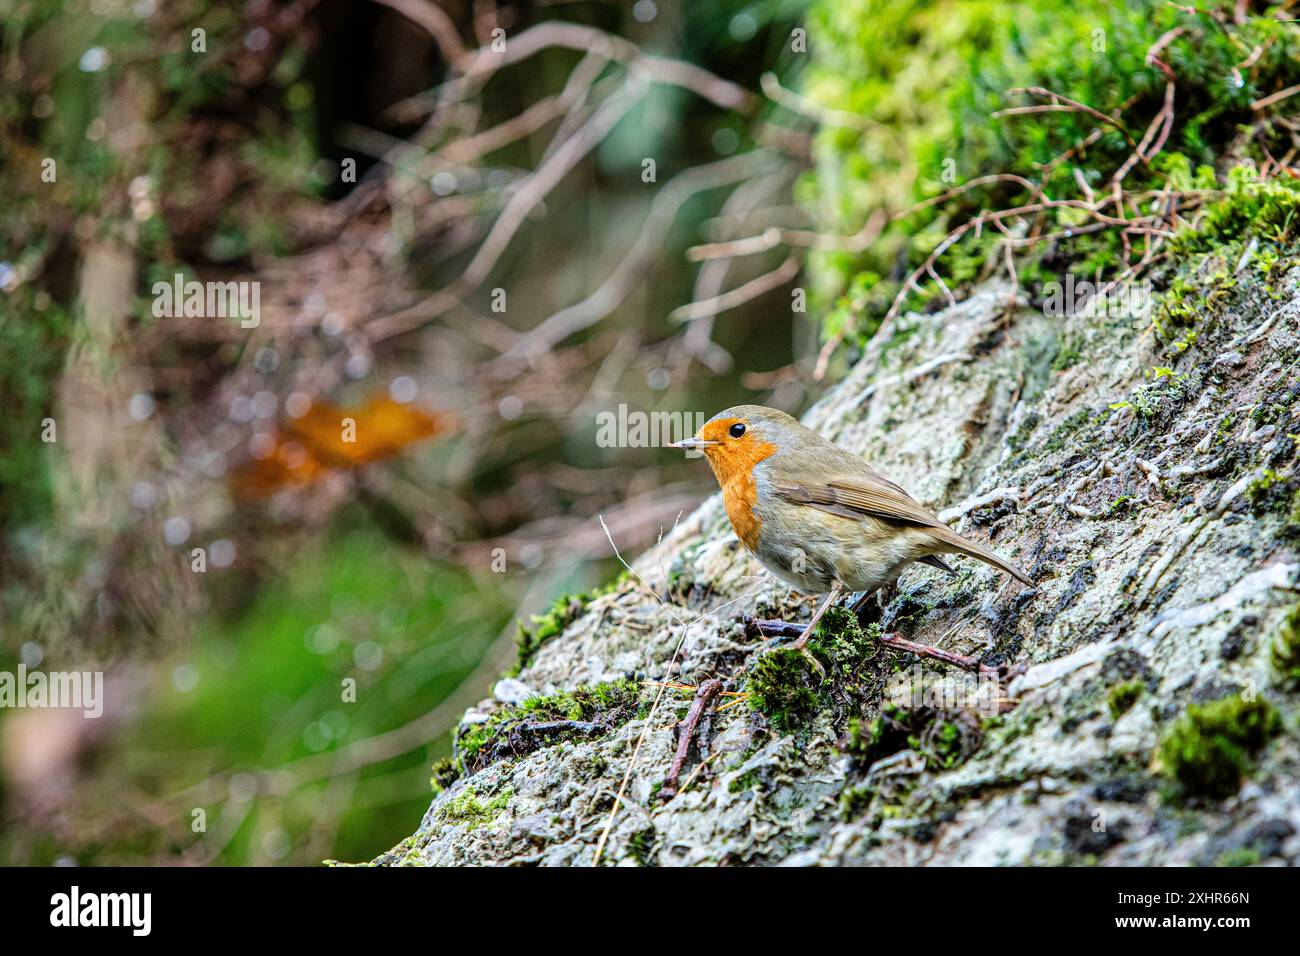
x: 328, y: 437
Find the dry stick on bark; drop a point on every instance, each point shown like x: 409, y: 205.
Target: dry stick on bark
x: 939, y: 654
x: 686, y: 733
x: 788, y: 629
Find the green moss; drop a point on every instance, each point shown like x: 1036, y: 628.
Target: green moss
x: 943, y: 738
x: 1064, y: 433
x: 1154, y: 401
x: 855, y: 799
x: 1211, y: 747
x: 606, y: 705
x: 1269, y: 210
x: 564, y: 610
x: 1240, y: 856
x: 1285, y: 650
x: 743, y: 782
x: 785, y: 688
x: 1068, y: 356
x: 31, y: 357
x: 842, y: 642
x: 641, y: 845
x: 1224, y: 430
x: 1273, y: 492
x: 1120, y: 507
x: 444, y: 773
x: 469, y: 809
x: 529, y: 639
x: 1122, y: 697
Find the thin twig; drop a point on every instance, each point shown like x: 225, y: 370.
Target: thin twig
x: 521, y: 203
x: 752, y: 289
x: 1062, y: 103
x: 438, y: 25
x: 1266, y: 101
x: 686, y: 732
x: 619, y: 284
x: 822, y: 115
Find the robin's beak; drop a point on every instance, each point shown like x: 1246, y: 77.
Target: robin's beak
x: 691, y: 444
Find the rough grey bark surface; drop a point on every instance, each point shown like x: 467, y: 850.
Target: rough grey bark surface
x: 1151, y: 564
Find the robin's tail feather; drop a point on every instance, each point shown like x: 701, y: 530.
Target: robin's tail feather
x: 961, y: 545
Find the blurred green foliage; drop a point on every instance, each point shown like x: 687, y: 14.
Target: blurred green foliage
x: 243, y: 728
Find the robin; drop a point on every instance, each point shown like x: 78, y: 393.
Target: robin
x: 816, y: 516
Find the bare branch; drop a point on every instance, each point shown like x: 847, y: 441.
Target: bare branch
x: 535, y: 188
x: 612, y: 292
x: 435, y: 21
x: 765, y: 283
x: 1266, y: 101
x: 1061, y: 103
x: 575, y: 36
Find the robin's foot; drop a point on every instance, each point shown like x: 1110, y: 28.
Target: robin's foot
x: 801, y: 645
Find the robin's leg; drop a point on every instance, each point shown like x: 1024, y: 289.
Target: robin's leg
x: 831, y: 598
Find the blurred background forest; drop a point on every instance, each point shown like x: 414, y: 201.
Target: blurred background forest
x: 475, y: 227
x: 353, y: 158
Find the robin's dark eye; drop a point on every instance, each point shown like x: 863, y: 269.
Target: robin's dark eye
x: 736, y: 430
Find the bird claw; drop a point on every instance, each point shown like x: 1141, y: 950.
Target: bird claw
x: 792, y: 637
x: 812, y: 659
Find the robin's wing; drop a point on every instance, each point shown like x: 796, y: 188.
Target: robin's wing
x: 871, y: 495
x: 855, y: 496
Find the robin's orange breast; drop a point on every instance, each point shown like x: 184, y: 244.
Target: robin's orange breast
x: 734, y: 468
